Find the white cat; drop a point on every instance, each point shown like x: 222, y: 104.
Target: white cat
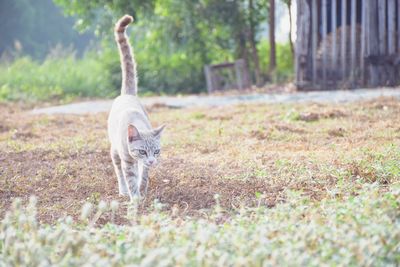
x: 135, y: 145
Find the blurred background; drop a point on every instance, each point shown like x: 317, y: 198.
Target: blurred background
x: 63, y: 49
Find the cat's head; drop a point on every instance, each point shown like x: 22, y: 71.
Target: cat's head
x: 145, y: 145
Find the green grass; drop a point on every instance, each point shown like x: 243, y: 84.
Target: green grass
x: 244, y: 185
x: 55, y: 78
x: 64, y: 77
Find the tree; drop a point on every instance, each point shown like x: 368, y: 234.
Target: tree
x: 177, y: 38
x: 272, y: 55
x: 252, y: 40
x: 288, y: 4
x: 29, y: 23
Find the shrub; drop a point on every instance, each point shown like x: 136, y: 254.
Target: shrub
x: 356, y: 231
x: 284, y: 58
x: 25, y: 79
x: 98, y: 74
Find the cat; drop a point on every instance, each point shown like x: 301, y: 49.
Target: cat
x: 135, y: 145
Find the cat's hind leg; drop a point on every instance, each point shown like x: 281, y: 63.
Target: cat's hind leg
x: 116, y: 160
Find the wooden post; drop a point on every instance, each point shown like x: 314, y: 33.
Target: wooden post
x: 334, y: 24
x: 363, y: 39
x: 324, y: 35
x: 239, y: 70
x: 382, y: 26
x: 245, y: 74
x: 382, y: 38
x: 367, y: 7
x: 391, y: 27
x: 398, y: 38
x: 398, y: 25
x: 302, y: 42
x: 391, y: 32
x: 373, y: 42
x: 314, y: 38
x: 353, y: 41
x: 209, y: 79
x: 344, y: 39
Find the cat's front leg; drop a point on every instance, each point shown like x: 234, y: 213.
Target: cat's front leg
x: 131, y: 176
x: 116, y: 160
x: 145, y: 178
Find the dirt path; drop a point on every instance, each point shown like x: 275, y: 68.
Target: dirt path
x: 204, y: 101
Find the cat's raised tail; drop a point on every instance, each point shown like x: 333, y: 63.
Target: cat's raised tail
x: 128, y: 64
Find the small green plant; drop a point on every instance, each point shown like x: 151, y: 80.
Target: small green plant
x: 356, y: 231
x: 198, y: 115
x: 94, y: 198
x: 379, y: 166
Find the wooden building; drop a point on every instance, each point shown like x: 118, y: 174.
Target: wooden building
x: 347, y: 43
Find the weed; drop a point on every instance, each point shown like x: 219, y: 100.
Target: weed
x: 361, y: 230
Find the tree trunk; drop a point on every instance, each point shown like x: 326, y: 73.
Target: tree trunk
x: 253, y: 45
x: 243, y: 54
x: 242, y: 45
x: 272, y: 54
x: 289, y: 6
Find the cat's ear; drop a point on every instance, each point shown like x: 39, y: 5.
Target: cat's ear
x: 157, y: 132
x: 133, y: 133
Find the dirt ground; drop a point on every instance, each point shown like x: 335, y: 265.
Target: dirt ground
x: 245, y: 154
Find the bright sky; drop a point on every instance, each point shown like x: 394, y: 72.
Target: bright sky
x: 282, y: 23
x: 282, y: 28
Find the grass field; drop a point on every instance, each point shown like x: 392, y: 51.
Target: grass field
x: 249, y: 185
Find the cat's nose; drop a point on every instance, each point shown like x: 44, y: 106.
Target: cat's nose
x: 152, y: 161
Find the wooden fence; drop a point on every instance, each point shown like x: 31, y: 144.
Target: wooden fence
x: 228, y: 75
x: 347, y: 43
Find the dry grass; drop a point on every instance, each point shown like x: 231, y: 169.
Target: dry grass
x: 245, y: 154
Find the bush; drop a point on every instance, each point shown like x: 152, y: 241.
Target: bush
x: 98, y: 74
x: 25, y: 79
x: 354, y: 231
x: 284, y: 58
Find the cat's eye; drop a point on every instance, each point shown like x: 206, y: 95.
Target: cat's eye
x: 142, y: 152
x: 156, y: 152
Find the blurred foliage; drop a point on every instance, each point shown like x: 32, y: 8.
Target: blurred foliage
x: 97, y: 74
x: 33, y: 27
x: 174, y: 39
x: 284, y: 70
x: 55, y: 78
